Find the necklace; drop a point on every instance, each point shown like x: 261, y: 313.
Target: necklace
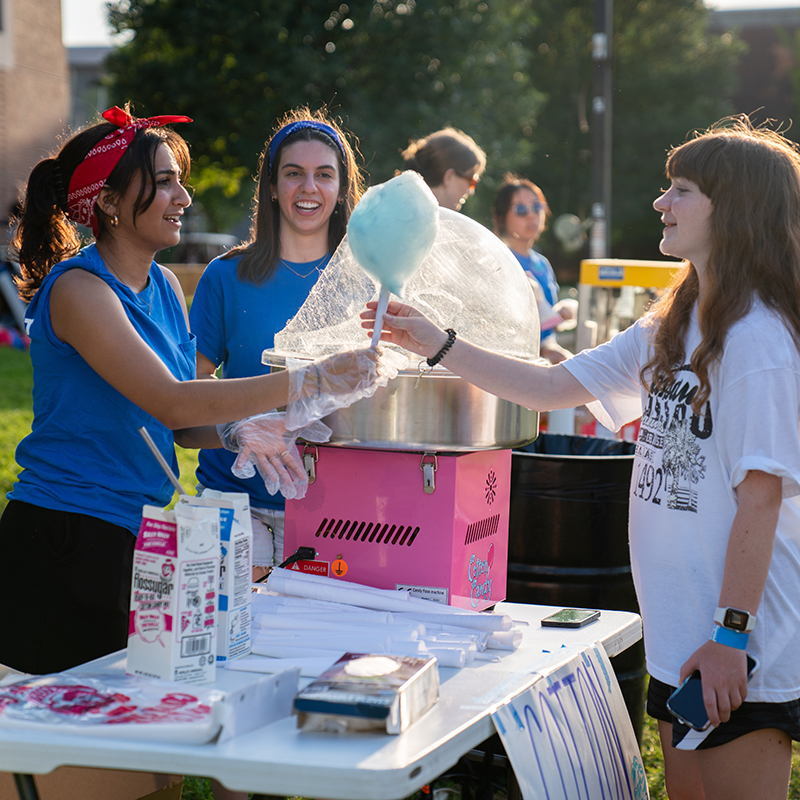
x: 138, y: 295
x: 317, y: 266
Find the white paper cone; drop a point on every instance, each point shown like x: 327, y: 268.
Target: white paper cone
x: 504, y: 640
x: 312, y: 622
x: 478, y: 622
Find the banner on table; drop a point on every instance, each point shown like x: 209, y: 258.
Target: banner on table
x: 570, y: 736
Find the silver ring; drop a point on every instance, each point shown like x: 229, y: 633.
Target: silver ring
x: 284, y: 453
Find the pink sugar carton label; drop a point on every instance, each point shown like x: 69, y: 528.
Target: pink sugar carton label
x: 174, y: 589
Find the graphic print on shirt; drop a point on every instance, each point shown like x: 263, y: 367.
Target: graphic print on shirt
x: 669, y: 464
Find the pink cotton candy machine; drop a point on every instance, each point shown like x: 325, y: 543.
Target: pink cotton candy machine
x: 413, y: 489
x: 436, y: 525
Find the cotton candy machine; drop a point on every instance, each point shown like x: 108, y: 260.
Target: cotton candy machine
x: 413, y: 489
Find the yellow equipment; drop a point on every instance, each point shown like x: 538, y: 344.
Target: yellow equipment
x: 614, y: 292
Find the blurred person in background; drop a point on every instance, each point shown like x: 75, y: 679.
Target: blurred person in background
x: 520, y: 213
x: 450, y: 162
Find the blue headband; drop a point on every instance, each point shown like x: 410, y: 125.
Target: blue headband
x: 288, y: 130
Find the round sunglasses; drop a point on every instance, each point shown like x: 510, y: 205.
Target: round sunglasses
x: 523, y: 209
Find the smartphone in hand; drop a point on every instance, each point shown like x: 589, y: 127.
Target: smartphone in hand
x: 686, y: 702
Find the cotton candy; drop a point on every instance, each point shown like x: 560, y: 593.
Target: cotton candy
x: 392, y: 229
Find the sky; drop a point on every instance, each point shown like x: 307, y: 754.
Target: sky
x: 84, y: 22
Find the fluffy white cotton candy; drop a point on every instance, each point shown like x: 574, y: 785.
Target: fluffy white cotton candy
x: 392, y: 229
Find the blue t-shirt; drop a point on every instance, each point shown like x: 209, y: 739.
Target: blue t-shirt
x: 234, y: 322
x: 537, y: 266
x: 84, y: 453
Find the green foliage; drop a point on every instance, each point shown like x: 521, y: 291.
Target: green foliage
x: 653, y: 760
x: 395, y: 71
x: 669, y: 77
x: 514, y: 74
x: 16, y: 412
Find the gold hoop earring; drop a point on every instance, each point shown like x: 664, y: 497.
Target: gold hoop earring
x: 114, y: 221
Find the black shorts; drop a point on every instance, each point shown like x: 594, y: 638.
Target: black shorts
x: 747, y: 718
x: 65, y: 586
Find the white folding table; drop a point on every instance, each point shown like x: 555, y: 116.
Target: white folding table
x: 277, y: 759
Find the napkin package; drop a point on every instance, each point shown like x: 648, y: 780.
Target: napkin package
x: 365, y: 692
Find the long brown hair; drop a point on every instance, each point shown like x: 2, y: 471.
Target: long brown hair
x: 752, y: 177
x: 261, y: 252
x: 44, y: 236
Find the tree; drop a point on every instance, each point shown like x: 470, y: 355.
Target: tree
x: 514, y: 74
x: 670, y: 77
x: 393, y: 70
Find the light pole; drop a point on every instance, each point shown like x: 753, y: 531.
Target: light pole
x: 600, y: 232
x: 599, y: 238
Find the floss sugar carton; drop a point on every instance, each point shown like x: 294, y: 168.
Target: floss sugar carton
x: 235, y: 570
x: 172, y: 631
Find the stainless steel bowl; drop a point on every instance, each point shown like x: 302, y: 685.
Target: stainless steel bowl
x: 439, y: 413
x: 436, y: 413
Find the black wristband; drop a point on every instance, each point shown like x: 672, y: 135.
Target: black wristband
x: 451, y: 337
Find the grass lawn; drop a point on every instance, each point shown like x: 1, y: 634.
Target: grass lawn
x: 15, y: 421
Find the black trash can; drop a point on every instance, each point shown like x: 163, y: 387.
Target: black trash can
x: 568, y: 537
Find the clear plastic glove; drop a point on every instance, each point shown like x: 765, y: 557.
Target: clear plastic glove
x: 264, y: 444
x: 320, y: 387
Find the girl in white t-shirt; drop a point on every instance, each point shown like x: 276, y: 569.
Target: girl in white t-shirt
x: 714, y: 372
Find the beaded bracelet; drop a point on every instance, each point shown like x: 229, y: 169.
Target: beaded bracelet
x: 451, y: 337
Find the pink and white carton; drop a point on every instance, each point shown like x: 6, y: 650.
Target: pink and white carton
x: 173, y: 618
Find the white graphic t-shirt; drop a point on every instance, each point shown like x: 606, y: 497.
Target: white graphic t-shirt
x: 683, y: 491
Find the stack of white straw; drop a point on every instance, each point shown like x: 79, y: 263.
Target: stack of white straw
x: 309, y: 621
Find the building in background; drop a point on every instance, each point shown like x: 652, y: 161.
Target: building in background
x: 769, y: 72
x: 87, y: 93
x: 34, y: 90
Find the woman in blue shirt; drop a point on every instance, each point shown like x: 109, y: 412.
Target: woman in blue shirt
x: 111, y: 352
x: 307, y: 186
x: 520, y: 214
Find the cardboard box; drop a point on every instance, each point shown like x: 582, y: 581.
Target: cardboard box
x: 234, y: 609
x: 172, y: 629
x: 83, y: 783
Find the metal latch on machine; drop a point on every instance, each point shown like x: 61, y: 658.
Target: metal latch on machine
x: 309, y: 460
x: 428, y: 472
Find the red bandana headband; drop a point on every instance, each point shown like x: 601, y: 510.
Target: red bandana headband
x: 91, y: 174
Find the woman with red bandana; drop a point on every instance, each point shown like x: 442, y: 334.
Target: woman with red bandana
x: 112, y: 353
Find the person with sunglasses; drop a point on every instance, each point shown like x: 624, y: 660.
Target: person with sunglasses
x: 520, y: 214
x: 450, y: 162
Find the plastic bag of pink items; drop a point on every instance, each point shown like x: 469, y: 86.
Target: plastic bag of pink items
x: 123, y: 706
